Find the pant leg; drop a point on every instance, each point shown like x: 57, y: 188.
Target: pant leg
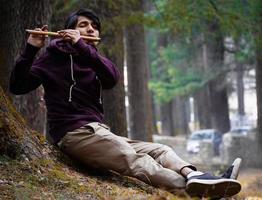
x: 162, y: 154
x: 102, y: 149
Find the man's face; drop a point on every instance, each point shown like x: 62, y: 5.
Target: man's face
x: 87, y: 27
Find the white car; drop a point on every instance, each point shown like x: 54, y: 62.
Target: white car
x: 211, y: 135
x: 241, y: 130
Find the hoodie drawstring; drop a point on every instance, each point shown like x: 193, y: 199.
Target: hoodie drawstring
x: 72, y: 77
x: 100, y: 90
x: 74, y: 82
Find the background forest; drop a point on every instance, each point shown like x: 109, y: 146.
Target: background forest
x: 185, y: 64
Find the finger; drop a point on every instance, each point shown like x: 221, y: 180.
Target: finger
x: 44, y: 28
x: 36, y: 36
x: 69, y: 34
x: 62, y: 34
x: 67, y: 37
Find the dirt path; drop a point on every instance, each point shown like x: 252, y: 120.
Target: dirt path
x: 251, y: 180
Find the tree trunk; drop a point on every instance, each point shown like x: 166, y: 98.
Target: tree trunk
x: 219, y: 109
x: 203, y: 108
x: 166, y: 115
x: 13, y: 40
x: 137, y: 68
x: 212, y: 100
x: 16, y: 139
x: 113, y: 48
x: 114, y: 102
x: 137, y: 75
x: 201, y: 97
x: 152, y: 126
x: 8, y: 15
x: 167, y: 119
x: 154, y: 114
x: 240, y: 89
x: 258, y: 51
x: 217, y: 87
x: 240, y: 82
x: 180, y: 115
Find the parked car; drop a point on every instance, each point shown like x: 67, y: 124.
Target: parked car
x: 241, y: 130
x: 209, y: 135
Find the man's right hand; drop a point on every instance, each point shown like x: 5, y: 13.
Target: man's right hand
x: 38, y: 40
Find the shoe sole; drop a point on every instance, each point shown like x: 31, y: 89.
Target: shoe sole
x: 213, y: 188
x: 235, y: 171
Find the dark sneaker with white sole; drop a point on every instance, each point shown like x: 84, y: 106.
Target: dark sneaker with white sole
x: 206, y: 185
x: 233, y: 171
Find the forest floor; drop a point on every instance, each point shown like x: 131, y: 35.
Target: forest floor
x: 31, y: 180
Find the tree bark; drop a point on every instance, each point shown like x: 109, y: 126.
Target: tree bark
x: 7, y: 36
x: 217, y: 87
x: 135, y: 50
x: 203, y: 108
x: 16, y: 139
x: 258, y: 53
x: 240, y: 82
x: 137, y: 68
x: 211, y: 100
x: 113, y: 48
x: 154, y: 114
x: 166, y: 115
x: 19, y: 16
x: 240, y: 89
x: 180, y: 115
x: 152, y: 122
x: 220, y: 110
x: 201, y: 97
x: 167, y: 119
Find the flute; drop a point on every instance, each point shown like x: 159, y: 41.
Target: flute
x: 55, y: 34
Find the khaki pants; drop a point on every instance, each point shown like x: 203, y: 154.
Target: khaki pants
x: 153, y: 163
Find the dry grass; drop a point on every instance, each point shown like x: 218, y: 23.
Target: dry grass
x: 46, y: 180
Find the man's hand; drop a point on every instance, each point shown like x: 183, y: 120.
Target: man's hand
x: 70, y: 35
x: 38, y: 40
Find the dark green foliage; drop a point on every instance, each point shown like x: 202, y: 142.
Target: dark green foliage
x: 185, y: 20
x: 175, y: 76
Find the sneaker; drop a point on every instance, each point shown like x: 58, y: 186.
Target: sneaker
x: 233, y: 171
x: 206, y: 185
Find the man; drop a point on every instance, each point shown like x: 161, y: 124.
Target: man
x: 73, y: 74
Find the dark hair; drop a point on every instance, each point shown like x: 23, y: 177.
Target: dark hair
x: 71, y: 21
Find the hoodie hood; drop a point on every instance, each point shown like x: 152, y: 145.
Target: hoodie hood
x: 61, y: 46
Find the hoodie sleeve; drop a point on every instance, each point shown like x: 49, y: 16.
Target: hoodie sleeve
x: 22, y: 79
x: 106, y: 70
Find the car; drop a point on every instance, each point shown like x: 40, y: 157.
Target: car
x: 241, y: 130
x: 208, y: 135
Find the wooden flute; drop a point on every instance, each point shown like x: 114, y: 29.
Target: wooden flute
x: 55, y: 34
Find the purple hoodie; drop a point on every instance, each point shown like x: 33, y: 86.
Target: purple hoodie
x: 72, y: 76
